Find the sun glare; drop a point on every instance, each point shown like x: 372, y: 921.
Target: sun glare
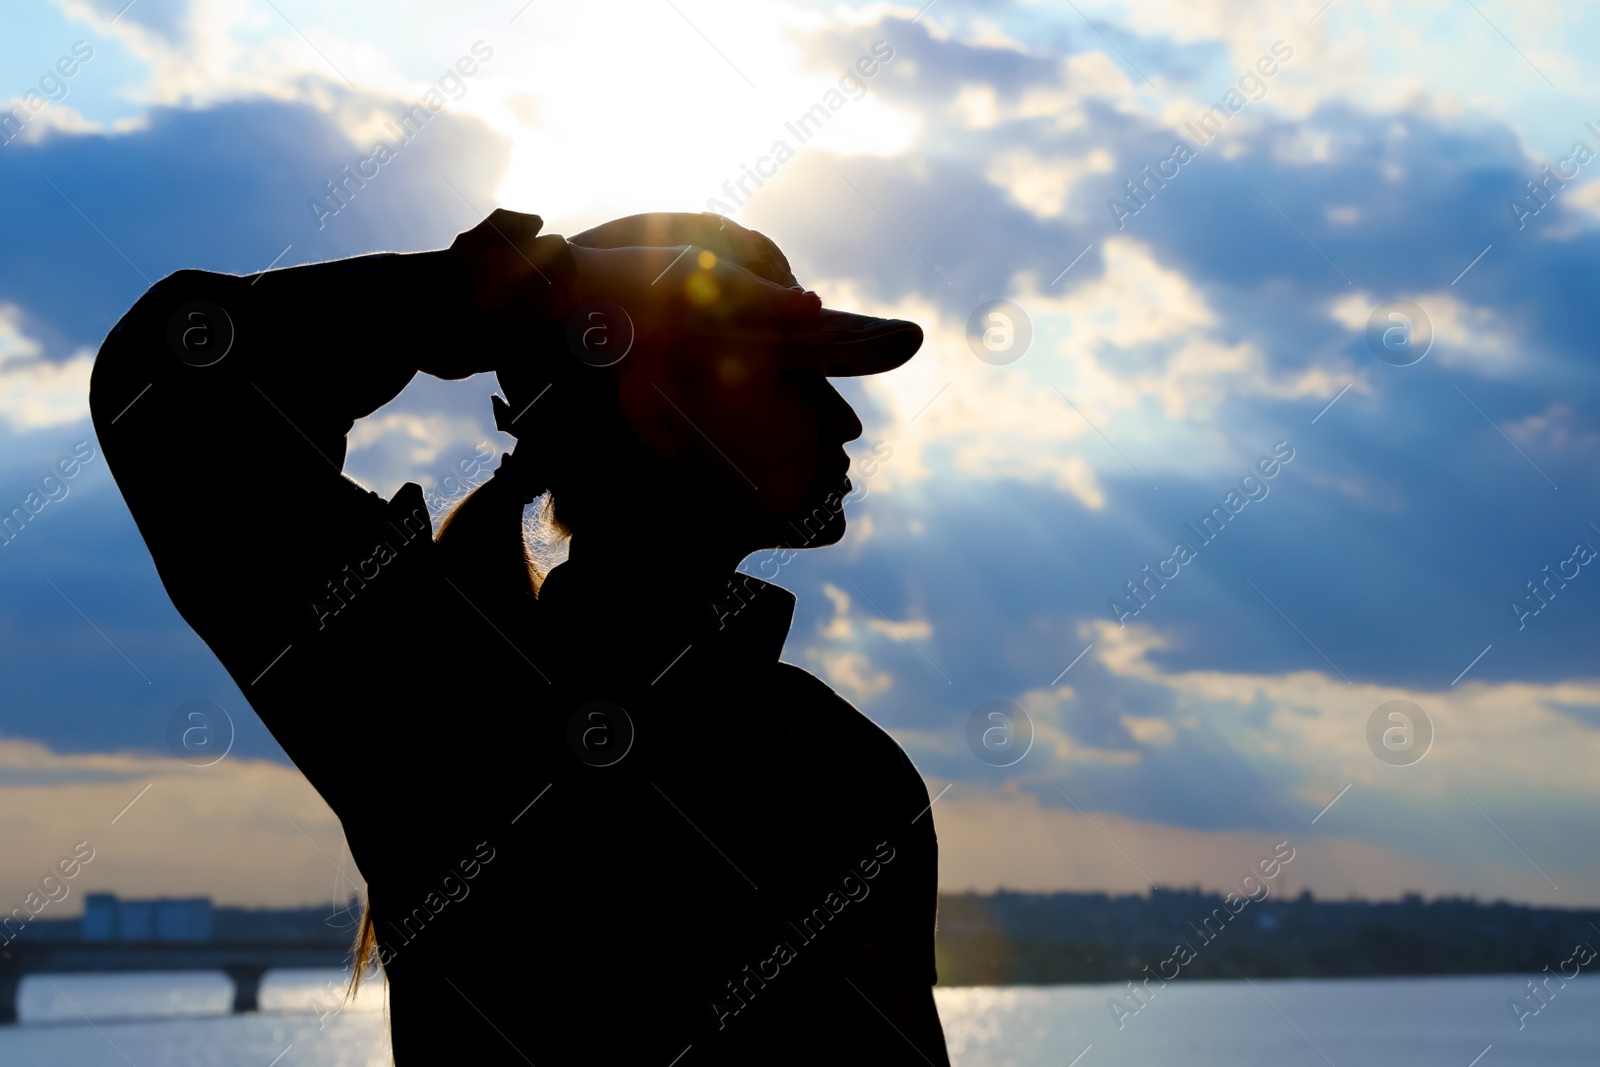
x: 713, y: 90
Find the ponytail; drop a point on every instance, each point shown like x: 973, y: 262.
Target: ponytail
x: 365, y: 949
x: 483, y: 542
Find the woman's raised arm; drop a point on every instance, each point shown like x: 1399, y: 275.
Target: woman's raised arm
x: 222, y: 404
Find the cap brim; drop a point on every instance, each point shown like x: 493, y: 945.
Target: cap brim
x: 854, y: 344
x: 848, y: 344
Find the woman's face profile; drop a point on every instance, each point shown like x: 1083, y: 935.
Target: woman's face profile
x: 754, y: 432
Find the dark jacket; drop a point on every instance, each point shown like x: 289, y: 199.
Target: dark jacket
x: 753, y: 881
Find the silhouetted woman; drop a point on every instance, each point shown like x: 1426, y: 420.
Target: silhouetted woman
x: 599, y: 820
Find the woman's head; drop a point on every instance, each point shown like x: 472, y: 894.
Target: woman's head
x: 716, y: 421
x: 735, y: 442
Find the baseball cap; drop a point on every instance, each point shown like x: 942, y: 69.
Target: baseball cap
x: 848, y: 344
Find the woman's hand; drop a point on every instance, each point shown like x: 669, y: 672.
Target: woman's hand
x: 510, y: 267
x: 515, y: 275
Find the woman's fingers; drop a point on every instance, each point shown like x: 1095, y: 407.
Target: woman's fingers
x: 720, y: 287
x: 666, y: 287
x: 652, y: 282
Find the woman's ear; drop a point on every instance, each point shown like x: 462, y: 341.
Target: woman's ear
x: 654, y: 420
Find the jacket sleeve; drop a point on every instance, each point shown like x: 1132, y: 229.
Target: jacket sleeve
x: 222, y: 405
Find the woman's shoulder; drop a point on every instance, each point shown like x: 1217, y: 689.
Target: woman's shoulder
x: 820, y: 715
x: 804, y: 685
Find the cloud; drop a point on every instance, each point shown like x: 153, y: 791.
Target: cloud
x: 253, y: 169
x: 1148, y: 731
x: 168, y: 20
x: 842, y: 625
x: 851, y: 669
x: 1558, y: 428
x: 1107, y: 851
x: 1041, y: 186
x: 245, y: 832
x: 36, y: 393
x: 401, y: 445
x: 1281, y: 747
x: 249, y: 169
x: 1193, y: 340
x: 1468, y: 336
x: 853, y: 673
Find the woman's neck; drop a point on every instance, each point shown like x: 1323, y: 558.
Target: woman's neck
x: 693, y: 569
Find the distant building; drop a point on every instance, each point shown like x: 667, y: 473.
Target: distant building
x: 105, y: 918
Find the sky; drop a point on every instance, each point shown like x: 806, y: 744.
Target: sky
x: 1197, y: 316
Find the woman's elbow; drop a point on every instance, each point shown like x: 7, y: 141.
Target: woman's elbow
x: 130, y: 358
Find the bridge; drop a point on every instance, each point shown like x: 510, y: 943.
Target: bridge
x: 246, y: 962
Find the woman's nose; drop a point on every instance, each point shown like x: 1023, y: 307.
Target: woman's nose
x: 844, y: 417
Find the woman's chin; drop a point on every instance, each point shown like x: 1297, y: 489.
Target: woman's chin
x: 810, y: 535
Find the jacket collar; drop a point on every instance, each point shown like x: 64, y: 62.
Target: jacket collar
x: 602, y: 613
